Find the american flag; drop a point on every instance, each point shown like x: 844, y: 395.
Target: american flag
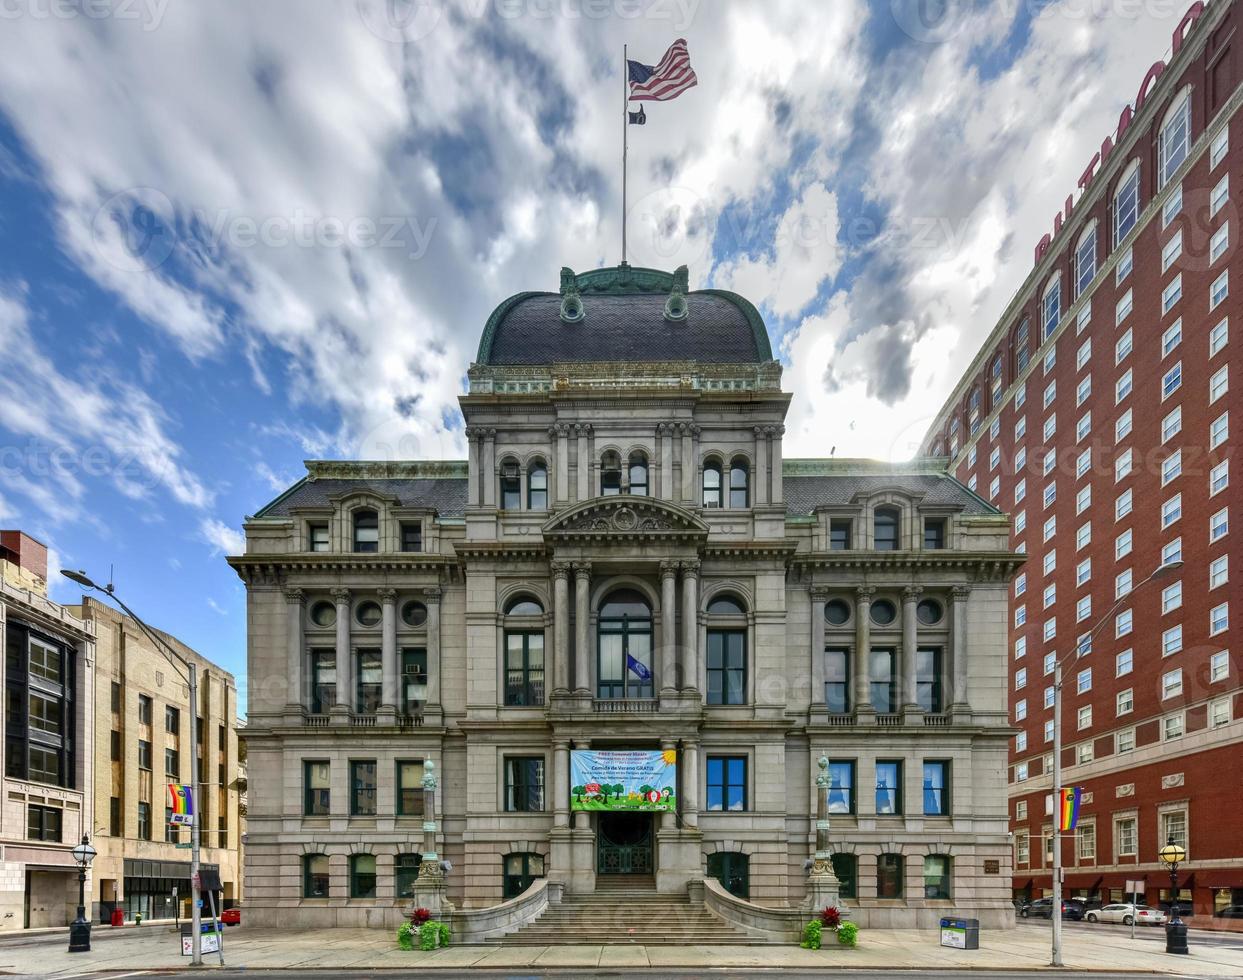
x: 667, y: 80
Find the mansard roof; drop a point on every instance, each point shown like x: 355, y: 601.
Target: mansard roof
x: 625, y: 314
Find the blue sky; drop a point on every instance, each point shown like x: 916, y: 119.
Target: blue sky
x: 237, y: 236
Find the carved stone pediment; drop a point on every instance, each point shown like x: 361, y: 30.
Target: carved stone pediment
x: 626, y: 516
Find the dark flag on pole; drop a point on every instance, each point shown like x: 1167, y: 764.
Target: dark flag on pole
x: 664, y: 81
x: 638, y: 118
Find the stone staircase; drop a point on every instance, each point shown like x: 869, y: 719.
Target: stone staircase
x: 625, y: 910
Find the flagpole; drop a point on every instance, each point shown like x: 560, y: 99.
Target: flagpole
x: 625, y: 141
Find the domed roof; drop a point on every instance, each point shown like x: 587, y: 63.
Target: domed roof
x: 625, y: 313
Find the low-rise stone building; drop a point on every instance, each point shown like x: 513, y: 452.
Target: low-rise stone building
x: 626, y: 560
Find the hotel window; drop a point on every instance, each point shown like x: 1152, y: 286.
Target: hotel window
x: 1083, y: 609
x: 994, y: 458
x: 712, y: 484
x: 1219, y: 525
x: 1172, y: 293
x: 410, y: 798
x: 841, y: 787
x: 1123, y: 465
x: 1020, y: 459
x: 1219, y: 430
x: 1218, y: 572
x: 1219, y: 478
x: 1083, y: 683
x: 1218, y: 337
x: 1020, y: 615
x: 1171, y: 511
x: 972, y: 481
x: 1050, y: 493
x: 1219, y: 290
x: 362, y: 789
x: 316, y: 793
x: 1219, y: 712
x: 937, y: 876
x: 1219, y: 619
x: 1084, y: 317
x: 1171, y: 597
x: 1048, y: 730
x: 1123, y: 623
x: 1122, y: 388
x: 1126, y: 836
x: 1172, y: 206
x: 1050, y: 309
x: 889, y: 875
x: 1084, y: 717
x: 1087, y: 842
x: 1020, y: 810
x: 1020, y: 710
x: 1172, y: 683
x: 1221, y: 193
x: 1085, y: 260
x: 1126, y: 204
x: 1085, y: 753
x: 1083, y: 536
x: 1219, y: 243
x: 994, y: 488
x: 1020, y: 428
x: 1020, y: 585
x: 1083, y: 572
x: 318, y: 537
x: 1020, y: 522
x: 1050, y: 393
x: 411, y: 536
x: 1122, y: 584
x: 1220, y: 146
x: 362, y: 876
x: 727, y: 782
x: 1126, y: 700
x: 637, y: 474
x: 1083, y: 427
x: 1123, y: 269
x: 1049, y: 562
x: 1219, y: 384
x: 1172, y: 727
x: 1123, y: 347
x: 1022, y: 848
x: 1083, y: 391
x: 1122, y: 428
x: 1172, y: 337
x: 1050, y: 628
x: 1050, y: 427
x: 1050, y: 663
x: 1172, y: 424
x: 1020, y: 772
x: 1020, y: 647
x: 1122, y: 544
x: 1174, y: 139
x: 1124, y: 663
x: 1124, y: 307
x: 315, y: 876
x: 1124, y: 741
x: 1219, y: 666
x: 994, y: 427
x: 1050, y: 594
x: 1170, y: 253
x: 524, y: 784
x: 1174, y: 827
x: 1050, y: 462
x: 1171, y: 467
x: 366, y: 531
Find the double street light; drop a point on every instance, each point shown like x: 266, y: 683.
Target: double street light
x: 1160, y: 572
x: 191, y: 675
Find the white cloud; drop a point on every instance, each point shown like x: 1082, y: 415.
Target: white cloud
x: 224, y: 540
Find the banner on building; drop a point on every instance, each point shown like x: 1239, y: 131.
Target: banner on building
x: 623, y: 780
x: 181, y: 804
x: 1068, y: 808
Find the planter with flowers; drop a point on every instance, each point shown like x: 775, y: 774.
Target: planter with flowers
x: 422, y: 931
x: 829, y: 920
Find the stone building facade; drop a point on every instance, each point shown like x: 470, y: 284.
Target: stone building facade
x: 626, y: 560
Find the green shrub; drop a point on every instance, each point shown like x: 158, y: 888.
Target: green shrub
x: 811, y: 935
x: 848, y: 934
x: 433, y: 934
x: 405, y: 936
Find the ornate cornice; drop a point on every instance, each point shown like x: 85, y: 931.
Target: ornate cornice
x: 626, y: 516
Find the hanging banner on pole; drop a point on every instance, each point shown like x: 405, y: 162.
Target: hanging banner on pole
x: 181, y: 804
x: 1068, y: 808
x: 626, y: 780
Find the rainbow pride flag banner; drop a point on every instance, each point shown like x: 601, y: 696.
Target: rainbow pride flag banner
x: 181, y: 804
x: 1068, y: 807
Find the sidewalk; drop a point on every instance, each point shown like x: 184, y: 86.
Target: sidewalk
x: 339, y: 949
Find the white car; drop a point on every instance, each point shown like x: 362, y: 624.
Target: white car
x: 1126, y: 914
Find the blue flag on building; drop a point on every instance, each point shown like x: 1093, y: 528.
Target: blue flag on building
x: 638, y: 668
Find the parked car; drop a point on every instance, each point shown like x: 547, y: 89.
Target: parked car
x: 1125, y: 913
x: 1229, y: 912
x: 231, y: 917
x: 1042, y: 908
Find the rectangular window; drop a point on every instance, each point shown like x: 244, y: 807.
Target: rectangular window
x: 1123, y: 347
x: 1124, y: 741
x: 1219, y: 384
x: 1050, y: 462
x: 1126, y: 701
x: 1087, y: 842
x: 1125, y: 661
x: 1084, y: 717
x: 1219, y: 243
x: 1219, y: 712
x: 837, y: 680
x: 937, y: 876
x: 1219, y: 525
x: 883, y: 677
x: 317, y: 537
x: 524, y: 784
x: 1083, y: 608
x: 1172, y: 337
x: 1126, y: 836
x: 1123, y: 623
x: 172, y: 765
x: 839, y: 534
x: 1218, y: 337
x: 1173, y: 205
x: 144, y: 754
x: 1219, y: 290
x: 1083, y: 427
x: 1171, y: 511
x: 369, y: 665
x: 841, y: 787
x: 1122, y: 583
x: 1219, y: 430
x: 114, y: 817
x: 172, y: 719
x: 936, y: 788
x: 410, y: 802
x: 1083, y: 499
x: 1020, y: 709
x: 1219, y: 619
x: 1172, y: 727
x: 1172, y: 424
x: 1083, y: 355
x: 363, y: 788
x: 323, y: 681
x: 1049, y: 562
x: 1083, y: 463
x: 1218, y: 572
x: 144, y: 821
x: 1022, y: 848
x: 928, y: 672
x: 315, y: 788
x: 412, y: 535
x: 1124, y: 307
x: 1172, y: 683
x: 1050, y: 427
x: 1020, y: 772
x: 144, y: 710
x: 1122, y: 428
x: 1086, y: 752
x: 1123, y: 465
x: 43, y: 823
x: 727, y: 666
x: 1174, y: 827
x: 934, y: 534
x: 1083, y: 536
x: 1172, y: 293
x: 1219, y: 196
x: 524, y: 667
x: 1170, y: 253
x: 1171, y: 467
x: 1219, y: 148
x: 727, y: 782
x: 1050, y: 493
x: 1219, y: 666
x: 1219, y: 478
x: 1125, y: 262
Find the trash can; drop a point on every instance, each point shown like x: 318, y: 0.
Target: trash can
x: 960, y: 933
x: 118, y: 917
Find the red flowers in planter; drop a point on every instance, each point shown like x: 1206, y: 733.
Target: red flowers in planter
x: 830, y: 918
x: 419, y: 916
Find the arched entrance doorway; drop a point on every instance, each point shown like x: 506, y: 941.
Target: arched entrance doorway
x: 624, y: 844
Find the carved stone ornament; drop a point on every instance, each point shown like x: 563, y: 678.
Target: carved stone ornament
x: 626, y: 516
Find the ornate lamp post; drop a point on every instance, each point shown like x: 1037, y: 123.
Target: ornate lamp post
x: 80, y: 928
x: 1172, y: 855
x: 823, y: 888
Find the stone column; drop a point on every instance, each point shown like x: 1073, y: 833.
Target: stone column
x: 345, y: 700
x: 561, y: 782
x: 775, y: 462
x: 690, y: 625
x: 563, y: 462
x: 583, y: 430
x: 665, y: 430
x: 561, y: 628
x: 388, y: 650
x: 488, y: 476
x: 910, y: 643
x: 582, y: 637
x: 818, y: 598
x: 671, y: 678
x: 690, y: 782
x: 431, y: 599
x: 473, y: 465
x: 863, y: 649
x: 959, y: 625
x: 759, y: 479
x: 688, y: 465
x: 295, y: 604
x: 668, y: 819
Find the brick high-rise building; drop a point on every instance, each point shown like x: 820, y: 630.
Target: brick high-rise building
x: 1098, y: 415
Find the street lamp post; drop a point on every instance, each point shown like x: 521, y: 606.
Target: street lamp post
x: 1172, y: 855
x: 1056, y: 911
x: 80, y: 928
x: 196, y: 913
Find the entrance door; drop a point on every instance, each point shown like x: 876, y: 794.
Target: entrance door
x: 624, y: 844
x: 46, y: 899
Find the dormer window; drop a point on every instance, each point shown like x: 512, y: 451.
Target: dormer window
x: 366, y: 531
x: 885, y: 533
x: 839, y: 534
x: 638, y: 474
x: 412, y: 536
x: 712, y: 484
x: 934, y: 534
x: 317, y: 535
x: 610, y: 475
x: 537, y: 486
x: 739, y: 489
x: 511, y: 486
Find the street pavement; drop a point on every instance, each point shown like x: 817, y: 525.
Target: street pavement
x: 342, y: 952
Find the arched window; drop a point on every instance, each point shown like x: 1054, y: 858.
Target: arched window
x: 889, y: 876
x: 366, y: 531
x: 712, y: 484
x: 315, y: 876
x: 405, y: 873
x: 1175, y: 138
x: 1085, y: 260
x: 519, y: 872
x: 727, y: 651
x: 1022, y: 352
x: 511, y: 485
x: 638, y: 474
x: 739, y: 491
x: 846, y: 867
x: 624, y: 663
x: 537, y: 486
x: 524, y: 654
x: 938, y: 874
x: 733, y: 870
x: 362, y: 876
x: 610, y: 474
x: 1050, y: 307
x: 885, y: 529
x: 1126, y: 202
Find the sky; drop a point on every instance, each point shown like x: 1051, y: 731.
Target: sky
x: 238, y: 235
